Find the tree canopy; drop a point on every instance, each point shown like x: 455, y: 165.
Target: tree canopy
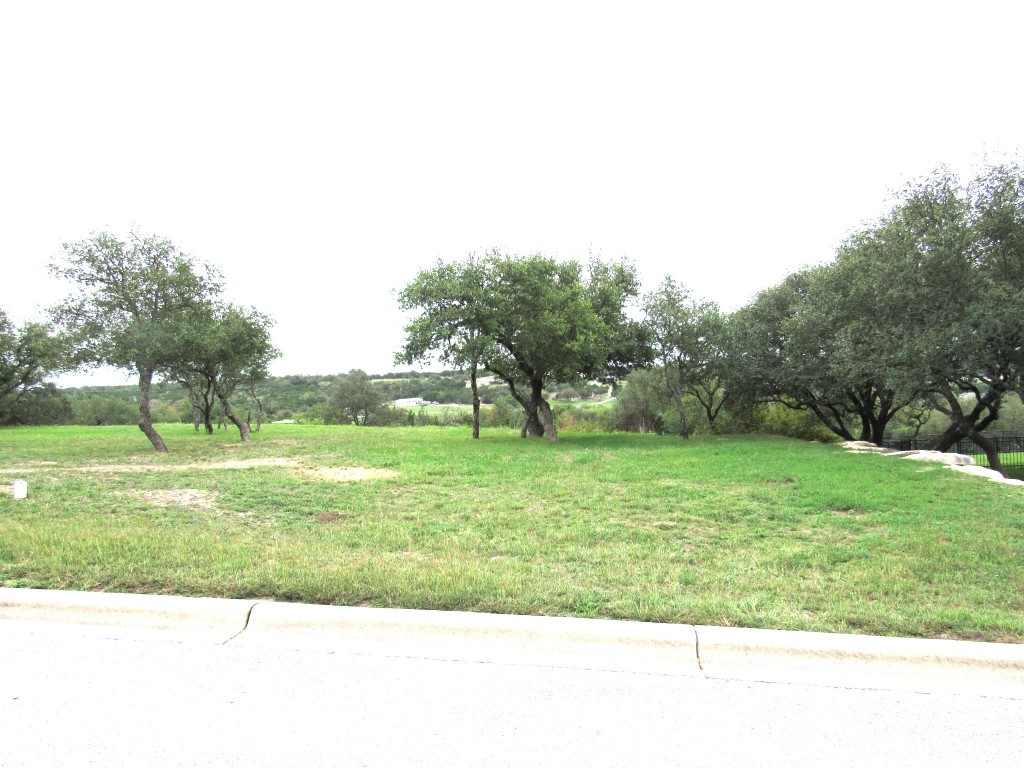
x: 27, y: 356
x: 354, y: 400
x: 924, y: 305
x: 143, y: 305
x: 688, y: 336
x: 220, y: 348
x: 529, y: 320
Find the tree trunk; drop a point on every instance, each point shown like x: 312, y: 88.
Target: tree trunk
x: 243, y: 428
x: 990, y: 449
x: 260, y: 413
x: 705, y: 394
x: 547, y: 421
x: 202, y: 413
x: 532, y: 426
x: 675, y: 387
x: 865, y: 428
x: 835, y: 424
x: 202, y: 400
x: 145, y: 416
x: 946, y: 440
x: 543, y: 410
x: 476, y: 401
x: 969, y: 425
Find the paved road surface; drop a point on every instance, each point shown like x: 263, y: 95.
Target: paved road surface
x: 71, y: 700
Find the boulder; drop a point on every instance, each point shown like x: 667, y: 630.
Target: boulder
x: 991, y: 474
x: 953, y: 459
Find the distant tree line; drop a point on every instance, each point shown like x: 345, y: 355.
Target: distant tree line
x: 296, y: 397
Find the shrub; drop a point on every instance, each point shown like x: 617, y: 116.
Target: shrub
x: 777, y: 419
x: 582, y: 419
x: 315, y: 414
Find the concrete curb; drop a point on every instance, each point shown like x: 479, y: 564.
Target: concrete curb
x: 119, y: 616
x: 721, y: 653
x: 862, y: 661
x: 627, y: 646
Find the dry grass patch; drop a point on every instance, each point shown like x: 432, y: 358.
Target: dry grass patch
x: 349, y: 474
x: 336, y: 474
x: 191, y: 498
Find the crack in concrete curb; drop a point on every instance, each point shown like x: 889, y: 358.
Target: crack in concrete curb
x: 248, y: 617
x: 696, y: 650
x: 712, y: 653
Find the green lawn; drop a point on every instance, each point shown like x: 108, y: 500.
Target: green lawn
x: 746, y: 531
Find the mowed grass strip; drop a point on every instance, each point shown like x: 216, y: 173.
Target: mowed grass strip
x: 744, y: 531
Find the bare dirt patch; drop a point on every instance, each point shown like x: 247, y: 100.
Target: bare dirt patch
x: 192, y: 498
x: 247, y: 463
x: 847, y: 512
x: 116, y: 469
x: 331, y: 517
x: 349, y: 474
x: 335, y: 474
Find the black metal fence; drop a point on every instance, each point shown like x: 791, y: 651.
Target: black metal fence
x: 1009, y: 444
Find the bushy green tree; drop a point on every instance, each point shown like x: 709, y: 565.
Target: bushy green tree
x: 689, y: 341
x: 223, y: 349
x: 97, y: 410
x: 531, y: 320
x: 129, y: 301
x: 924, y: 306
x: 354, y: 399
x: 452, y: 320
x: 641, y: 403
x: 27, y: 356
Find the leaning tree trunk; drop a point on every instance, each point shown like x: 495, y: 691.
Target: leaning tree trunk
x: 476, y: 401
x: 543, y: 411
x: 202, y: 413
x: 260, y: 413
x: 956, y: 432
x: 970, y: 425
x: 547, y: 421
x: 145, y: 416
x: 532, y: 426
x: 991, y: 451
x: 946, y: 440
x: 243, y: 428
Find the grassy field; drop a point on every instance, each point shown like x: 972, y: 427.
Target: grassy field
x: 746, y: 531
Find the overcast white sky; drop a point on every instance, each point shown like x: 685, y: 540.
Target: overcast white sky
x: 320, y: 153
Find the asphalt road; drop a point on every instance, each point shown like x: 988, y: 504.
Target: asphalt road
x: 71, y: 700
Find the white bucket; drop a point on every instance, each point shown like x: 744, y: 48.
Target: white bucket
x: 20, y: 489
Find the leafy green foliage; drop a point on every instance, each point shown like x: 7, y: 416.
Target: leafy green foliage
x: 530, y: 320
x: 642, y: 403
x: 922, y: 309
x: 130, y: 302
x: 690, y: 338
x: 27, y: 356
x: 354, y: 400
x: 129, y: 297
x: 220, y: 348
